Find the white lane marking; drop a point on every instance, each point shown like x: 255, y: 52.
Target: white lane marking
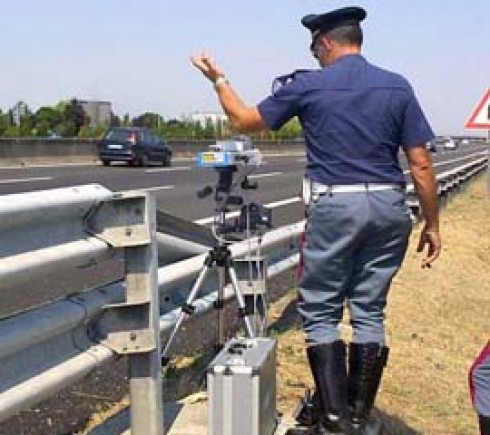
x: 288, y: 155
x: 61, y: 165
x: 270, y: 174
x: 179, y: 168
x: 283, y: 202
x: 233, y: 214
x: 25, y: 180
x: 156, y: 188
x: 447, y: 162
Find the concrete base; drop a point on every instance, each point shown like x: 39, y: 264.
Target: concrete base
x: 191, y: 418
x: 186, y: 417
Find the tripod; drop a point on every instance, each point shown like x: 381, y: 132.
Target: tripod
x: 219, y: 255
x: 251, y: 217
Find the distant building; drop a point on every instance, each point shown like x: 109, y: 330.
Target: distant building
x: 18, y: 111
x: 99, y: 112
x: 205, y: 118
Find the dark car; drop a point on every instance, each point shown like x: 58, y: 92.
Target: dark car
x: 431, y: 146
x: 137, y: 146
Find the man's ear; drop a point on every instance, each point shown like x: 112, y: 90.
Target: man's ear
x: 329, y: 43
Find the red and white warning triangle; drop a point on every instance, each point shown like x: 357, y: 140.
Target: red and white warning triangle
x: 480, y: 116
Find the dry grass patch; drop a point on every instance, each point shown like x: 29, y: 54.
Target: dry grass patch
x: 437, y: 321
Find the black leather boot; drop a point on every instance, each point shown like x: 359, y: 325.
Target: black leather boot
x: 366, y: 364
x: 484, y: 424
x: 309, y: 411
x: 328, y: 366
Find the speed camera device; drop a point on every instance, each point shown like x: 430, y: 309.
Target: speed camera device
x: 236, y: 151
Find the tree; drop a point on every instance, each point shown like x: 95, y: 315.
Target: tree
x: 115, y: 120
x: 46, y: 120
x: 26, y: 127
x: 177, y: 129
x: 11, y: 131
x: 291, y: 130
x: 126, y: 122
x: 92, y: 132
x: 198, y: 130
x: 67, y: 129
x: 209, y: 130
x: 73, y: 118
x: 5, y: 122
x: 149, y: 120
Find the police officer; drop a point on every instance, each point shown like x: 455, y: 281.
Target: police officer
x: 479, y: 380
x: 355, y: 118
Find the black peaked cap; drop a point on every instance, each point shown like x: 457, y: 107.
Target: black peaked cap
x: 317, y: 23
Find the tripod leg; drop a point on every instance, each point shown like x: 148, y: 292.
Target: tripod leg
x: 220, y: 308
x: 255, y: 305
x: 187, y: 309
x: 239, y: 298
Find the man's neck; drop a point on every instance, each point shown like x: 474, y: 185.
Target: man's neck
x: 341, y: 51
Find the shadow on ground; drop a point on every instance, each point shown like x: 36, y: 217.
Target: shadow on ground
x: 180, y: 382
x: 121, y: 422
x: 390, y: 424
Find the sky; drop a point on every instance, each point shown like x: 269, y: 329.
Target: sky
x: 136, y: 53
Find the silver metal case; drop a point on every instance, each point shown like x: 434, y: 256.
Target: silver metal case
x: 242, y: 388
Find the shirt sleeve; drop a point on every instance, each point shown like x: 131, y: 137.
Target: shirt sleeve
x: 281, y: 106
x: 415, y: 127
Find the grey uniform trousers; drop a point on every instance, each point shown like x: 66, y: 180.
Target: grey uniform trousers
x: 354, y: 245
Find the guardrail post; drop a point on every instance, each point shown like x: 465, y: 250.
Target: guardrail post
x: 132, y: 328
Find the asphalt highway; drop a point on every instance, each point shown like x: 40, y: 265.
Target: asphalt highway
x: 175, y: 188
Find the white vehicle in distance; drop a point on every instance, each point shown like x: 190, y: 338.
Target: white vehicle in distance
x: 450, y: 144
x: 236, y: 143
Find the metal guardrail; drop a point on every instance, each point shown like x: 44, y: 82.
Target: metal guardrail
x: 42, y: 231
x: 449, y: 182
x: 46, y: 349
x: 52, y: 348
x: 58, y: 344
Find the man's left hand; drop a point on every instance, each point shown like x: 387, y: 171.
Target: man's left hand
x: 207, y: 66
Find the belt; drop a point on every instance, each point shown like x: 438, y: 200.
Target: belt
x: 319, y: 189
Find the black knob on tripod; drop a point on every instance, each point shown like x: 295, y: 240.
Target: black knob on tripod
x: 208, y: 190
x: 246, y: 184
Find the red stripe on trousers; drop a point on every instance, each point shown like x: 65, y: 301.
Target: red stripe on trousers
x: 485, y: 353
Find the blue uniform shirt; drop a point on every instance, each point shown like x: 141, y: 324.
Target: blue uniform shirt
x: 355, y: 117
